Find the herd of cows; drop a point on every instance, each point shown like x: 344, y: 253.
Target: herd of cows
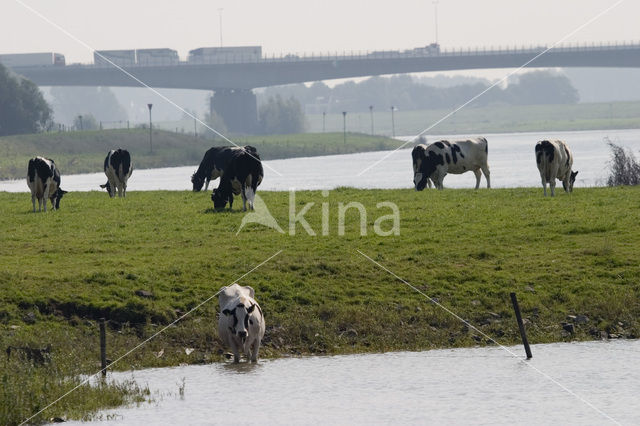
x: 240, y: 170
x: 241, y: 324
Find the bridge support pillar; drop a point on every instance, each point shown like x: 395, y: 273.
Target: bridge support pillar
x: 238, y: 108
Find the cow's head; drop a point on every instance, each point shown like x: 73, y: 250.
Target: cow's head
x: 572, y: 180
x: 197, y: 181
x: 59, y: 194
x: 107, y: 186
x: 220, y: 197
x: 425, y: 161
x: 239, y: 320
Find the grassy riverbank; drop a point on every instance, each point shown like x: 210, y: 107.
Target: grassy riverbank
x: 84, y: 152
x: 144, y: 261
x: 489, y: 119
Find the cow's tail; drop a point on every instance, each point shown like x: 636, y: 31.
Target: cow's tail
x: 31, y: 171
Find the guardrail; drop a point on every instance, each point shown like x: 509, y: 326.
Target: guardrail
x: 388, y: 54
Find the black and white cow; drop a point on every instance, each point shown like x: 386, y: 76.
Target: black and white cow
x: 554, y: 160
x: 242, y: 175
x: 434, y: 161
x: 43, y: 179
x: 118, y: 168
x: 241, y: 322
x: 213, y: 164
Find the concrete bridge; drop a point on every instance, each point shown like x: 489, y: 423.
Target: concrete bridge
x: 233, y: 82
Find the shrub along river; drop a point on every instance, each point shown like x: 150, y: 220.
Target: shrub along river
x: 511, y: 161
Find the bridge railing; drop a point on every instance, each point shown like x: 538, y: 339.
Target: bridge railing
x: 383, y: 54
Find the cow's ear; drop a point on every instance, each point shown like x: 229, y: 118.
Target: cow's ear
x: 103, y: 186
x: 251, y: 308
x: 62, y: 191
x: 226, y: 312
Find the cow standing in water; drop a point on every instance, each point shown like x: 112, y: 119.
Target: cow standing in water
x: 43, y: 179
x: 554, y: 160
x: 242, y: 176
x: 213, y: 164
x: 434, y: 161
x: 118, y: 168
x: 241, y: 323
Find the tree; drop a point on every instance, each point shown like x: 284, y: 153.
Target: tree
x: 96, y: 101
x: 280, y: 116
x: 541, y: 87
x: 85, y: 121
x: 22, y: 106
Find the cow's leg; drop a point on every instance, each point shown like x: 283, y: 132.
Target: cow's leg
x: 206, y: 184
x: 33, y: 201
x: 438, y: 181
x: 487, y: 174
x: 478, y: 174
x: 244, y: 198
x: 251, y: 195
x: 236, y: 353
x: 255, y: 350
x: 45, y: 197
x: 552, y: 186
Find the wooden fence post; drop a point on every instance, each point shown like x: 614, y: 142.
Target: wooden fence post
x: 103, y: 347
x: 523, y: 333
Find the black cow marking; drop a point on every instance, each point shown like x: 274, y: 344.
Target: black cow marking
x: 439, y: 145
x: 448, y: 158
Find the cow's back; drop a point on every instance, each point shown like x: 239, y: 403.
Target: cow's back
x: 40, y: 172
x: 469, y: 154
x: 553, y: 158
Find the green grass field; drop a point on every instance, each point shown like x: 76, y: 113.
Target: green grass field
x: 62, y: 271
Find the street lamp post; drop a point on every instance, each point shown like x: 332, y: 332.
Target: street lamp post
x: 393, y: 123
x: 344, y: 127
x: 324, y: 116
x: 435, y: 3
x: 371, y: 113
x: 220, y: 13
x: 150, y: 130
x: 80, y: 118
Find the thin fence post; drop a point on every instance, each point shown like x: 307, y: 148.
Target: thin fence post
x: 103, y: 347
x: 523, y: 333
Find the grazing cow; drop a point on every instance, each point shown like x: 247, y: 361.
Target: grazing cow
x: 242, y: 176
x: 43, y: 179
x: 434, y: 161
x: 118, y: 168
x: 554, y: 160
x: 213, y: 164
x: 241, y: 322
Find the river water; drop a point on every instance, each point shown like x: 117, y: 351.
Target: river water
x: 458, y: 386
x: 511, y: 160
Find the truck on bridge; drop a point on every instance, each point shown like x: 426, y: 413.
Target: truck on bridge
x: 223, y: 55
x: 44, y: 59
x: 143, y: 57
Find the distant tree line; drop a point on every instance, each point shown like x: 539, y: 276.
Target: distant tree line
x: 23, y: 109
x: 281, y: 116
x: 408, y: 93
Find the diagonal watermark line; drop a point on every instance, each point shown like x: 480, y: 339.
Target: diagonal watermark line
x: 449, y: 311
x: 502, y: 80
x: 133, y: 77
x: 144, y: 342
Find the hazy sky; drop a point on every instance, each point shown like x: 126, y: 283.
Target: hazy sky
x: 297, y: 26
